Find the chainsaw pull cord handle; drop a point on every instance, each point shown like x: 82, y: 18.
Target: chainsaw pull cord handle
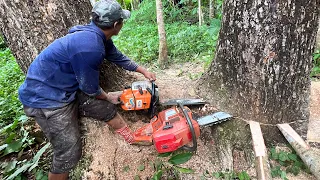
x: 194, y: 139
x: 140, y: 90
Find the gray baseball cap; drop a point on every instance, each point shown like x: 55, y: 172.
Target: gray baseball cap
x: 110, y: 11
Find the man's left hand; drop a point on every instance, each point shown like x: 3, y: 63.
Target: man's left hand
x: 114, y: 97
x: 151, y: 76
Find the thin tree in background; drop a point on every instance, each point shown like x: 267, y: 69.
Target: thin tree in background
x: 134, y: 4
x: 211, y: 9
x: 200, y: 14
x: 163, y: 50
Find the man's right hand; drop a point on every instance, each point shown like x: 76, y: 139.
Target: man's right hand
x: 114, y: 97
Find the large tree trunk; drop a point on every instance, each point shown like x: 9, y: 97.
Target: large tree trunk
x: 262, y: 66
x: 29, y: 26
x: 163, y: 50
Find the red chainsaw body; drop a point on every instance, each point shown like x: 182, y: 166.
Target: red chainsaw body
x: 169, y: 131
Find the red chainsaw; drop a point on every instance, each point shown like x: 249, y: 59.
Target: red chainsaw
x: 174, y: 128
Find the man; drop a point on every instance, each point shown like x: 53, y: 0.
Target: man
x: 63, y: 82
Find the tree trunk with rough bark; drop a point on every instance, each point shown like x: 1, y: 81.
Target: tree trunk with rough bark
x: 261, y: 70
x: 29, y: 26
x: 318, y: 38
x: 163, y: 50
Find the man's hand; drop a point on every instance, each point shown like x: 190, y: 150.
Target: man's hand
x: 114, y: 97
x: 149, y: 75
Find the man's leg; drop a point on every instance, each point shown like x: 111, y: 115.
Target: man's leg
x: 62, y: 129
x: 63, y: 176
x: 103, y: 110
x: 117, y: 122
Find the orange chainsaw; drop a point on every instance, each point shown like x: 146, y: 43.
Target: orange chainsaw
x: 140, y: 95
x: 174, y: 128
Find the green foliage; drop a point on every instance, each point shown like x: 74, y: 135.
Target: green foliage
x: 218, y: 8
x: 186, y: 42
x: 187, y: 11
x: 14, y: 134
x: 14, y: 137
x: 136, y: 177
x: 315, y: 72
x: 145, y: 15
x: 141, y: 168
x: 140, y: 44
x: 289, y: 163
x: 81, y: 167
x: 180, y: 158
x: 2, y: 43
x: 126, y: 168
x: 243, y: 175
x: 170, y: 167
x: 10, y: 79
x: 16, y: 168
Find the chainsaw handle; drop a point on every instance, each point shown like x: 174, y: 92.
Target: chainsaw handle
x: 152, y: 91
x: 194, y: 138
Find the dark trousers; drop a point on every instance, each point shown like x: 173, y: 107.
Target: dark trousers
x: 61, y: 127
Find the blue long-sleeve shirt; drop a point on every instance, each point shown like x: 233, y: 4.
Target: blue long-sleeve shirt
x: 68, y: 64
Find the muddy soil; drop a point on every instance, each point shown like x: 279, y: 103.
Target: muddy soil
x: 114, y: 159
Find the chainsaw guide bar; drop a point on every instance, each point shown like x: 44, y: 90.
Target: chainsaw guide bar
x: 174, y: 102
x: 213, y: 119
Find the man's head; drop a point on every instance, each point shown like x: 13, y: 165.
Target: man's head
x: 107, y: 14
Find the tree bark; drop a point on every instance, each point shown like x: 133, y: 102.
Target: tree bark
x: 318, y: 38
x: 29, y: 26
x: 163, y: 50
x: 261, y: 68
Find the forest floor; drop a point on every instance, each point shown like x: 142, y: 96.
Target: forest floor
x: 111, y: 158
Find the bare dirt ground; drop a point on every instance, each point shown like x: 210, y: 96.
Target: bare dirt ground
x: 114, y: 159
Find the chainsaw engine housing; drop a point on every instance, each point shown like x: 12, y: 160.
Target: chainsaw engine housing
x: 174, y: 131
x: 140, y: 95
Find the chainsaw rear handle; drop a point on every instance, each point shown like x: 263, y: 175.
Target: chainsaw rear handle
x: 153, y: 102
x: 194, y: 138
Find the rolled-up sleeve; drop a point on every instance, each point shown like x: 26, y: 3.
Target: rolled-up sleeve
x: 86, y: 68
x: 115, y: 56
